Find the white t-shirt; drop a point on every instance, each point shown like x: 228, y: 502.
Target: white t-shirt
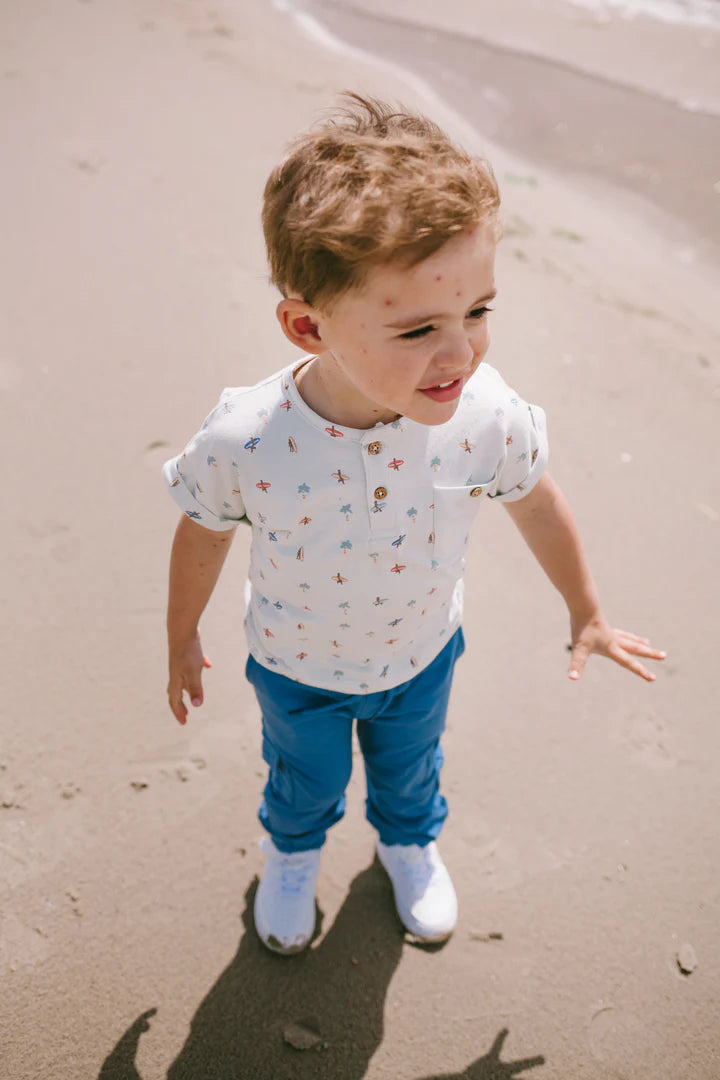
x: 358, y: 536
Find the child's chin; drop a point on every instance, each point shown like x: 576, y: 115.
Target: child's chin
x: 432, y: 413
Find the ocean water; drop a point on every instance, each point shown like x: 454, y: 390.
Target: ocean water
x: 572, y: 122
x: 693, y: 12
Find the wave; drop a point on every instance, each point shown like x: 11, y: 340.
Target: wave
x: 688, y: 12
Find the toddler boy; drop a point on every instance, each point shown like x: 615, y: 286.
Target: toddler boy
x: 360, y: 468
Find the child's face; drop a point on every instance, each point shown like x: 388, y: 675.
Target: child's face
x: 407, y: 341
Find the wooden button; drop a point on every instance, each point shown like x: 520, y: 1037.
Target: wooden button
x: 374, y: 448
x: 380, y: 492
x: 475, y: 492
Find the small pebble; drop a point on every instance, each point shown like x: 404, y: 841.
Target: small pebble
x: 138, y: 785
x: 302, y: 1036
x: 686, y: 959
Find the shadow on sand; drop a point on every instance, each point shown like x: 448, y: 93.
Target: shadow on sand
x: 336, y: 989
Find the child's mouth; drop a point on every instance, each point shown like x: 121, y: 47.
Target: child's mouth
x: 446, y: 391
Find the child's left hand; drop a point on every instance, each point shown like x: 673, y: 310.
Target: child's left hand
x: 595, y: 635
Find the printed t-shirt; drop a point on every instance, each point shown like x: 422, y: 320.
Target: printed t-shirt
x: 358, y: 536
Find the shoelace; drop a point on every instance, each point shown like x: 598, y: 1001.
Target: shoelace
x: 294, y: 873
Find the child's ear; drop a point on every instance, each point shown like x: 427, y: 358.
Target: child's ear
x: 299, y: 323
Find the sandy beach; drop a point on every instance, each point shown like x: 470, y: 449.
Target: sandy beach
x: 583, y: 834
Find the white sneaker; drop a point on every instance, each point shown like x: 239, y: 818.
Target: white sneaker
x: 424, y: 894
x: 285, y: 899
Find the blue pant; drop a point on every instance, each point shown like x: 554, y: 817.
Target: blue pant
x: 307, y: 746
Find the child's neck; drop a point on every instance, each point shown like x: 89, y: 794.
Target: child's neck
x: 333, y: 399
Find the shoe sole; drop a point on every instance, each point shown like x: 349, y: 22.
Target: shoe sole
x: 277, y: 947
x: 436, y: 939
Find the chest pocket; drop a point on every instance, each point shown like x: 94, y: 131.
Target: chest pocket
x: 276, y: 542
x: 455, y: 510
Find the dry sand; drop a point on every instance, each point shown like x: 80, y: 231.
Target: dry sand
x: 583, y: 829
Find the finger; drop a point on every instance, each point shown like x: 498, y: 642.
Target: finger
x: 177, y: 706
x: 206, y: 661
x: 631, y: 637
x: 640, y: 649
x: 195, y: 691
x: 630, y: 642
x: 578, y: 660
x: 626, y: 660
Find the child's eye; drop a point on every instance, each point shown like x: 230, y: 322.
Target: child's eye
x: 420, y: 332
x: 409, y: 335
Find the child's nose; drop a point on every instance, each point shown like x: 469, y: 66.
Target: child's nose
x: 456, y: 354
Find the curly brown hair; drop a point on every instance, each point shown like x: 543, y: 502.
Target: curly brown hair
x: 369, y: 186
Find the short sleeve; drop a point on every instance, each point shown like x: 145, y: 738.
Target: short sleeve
x: 526, y: 448
x: 204, y: 479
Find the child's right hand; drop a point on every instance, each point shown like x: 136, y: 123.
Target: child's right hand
x: 187, y: 661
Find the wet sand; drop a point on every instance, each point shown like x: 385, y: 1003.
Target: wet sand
x: 582, y: 836
x: 589, y: 128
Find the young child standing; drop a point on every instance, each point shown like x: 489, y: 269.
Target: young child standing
x: 360, y: 468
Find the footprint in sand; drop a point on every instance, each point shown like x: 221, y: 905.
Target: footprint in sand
x: 649, y: 740
x: 22, y: 947
x: 616, y: 1036
x: 505, y: 862
x: 177, y: 769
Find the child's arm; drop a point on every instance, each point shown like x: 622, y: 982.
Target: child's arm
x: 197, y: 558
x: 548, y: 527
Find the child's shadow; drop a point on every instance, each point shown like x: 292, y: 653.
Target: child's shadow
x: 336, y: 990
